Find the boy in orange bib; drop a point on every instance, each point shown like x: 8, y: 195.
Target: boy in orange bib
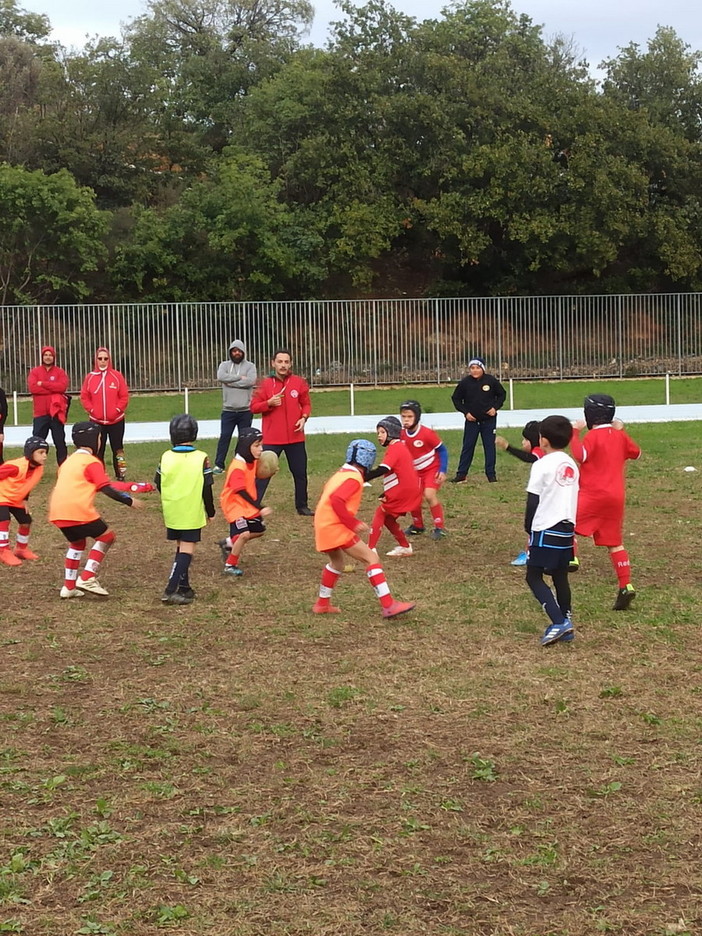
x: 18, y: 478
x: 239, y: 498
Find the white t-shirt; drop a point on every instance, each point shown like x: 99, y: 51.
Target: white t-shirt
x: 555, y: 479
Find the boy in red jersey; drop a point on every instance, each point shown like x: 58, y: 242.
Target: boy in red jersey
x: 602, y: 455
x: 401, y: 488
x: 18, y: 478
x: 72, y: 510
x: 430, y: 457
x: 239, y: 499
x: 336, y: 529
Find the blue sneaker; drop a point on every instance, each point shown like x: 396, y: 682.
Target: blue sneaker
x: 521, y: 560
x: 568, y: 638
x: 438, y: 533
x: 233, y: 570
x: 556, y: 632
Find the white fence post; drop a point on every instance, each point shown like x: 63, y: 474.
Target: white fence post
x: 14, y: 404
x: 353, y: 400
x: 511, y: 393
x: 667, y: 389
x: 187, y: 401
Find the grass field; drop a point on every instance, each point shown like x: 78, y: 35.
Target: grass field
x: 240, y: 767
x: 434, y: 399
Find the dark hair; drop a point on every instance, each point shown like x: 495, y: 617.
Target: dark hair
x: 281, y: 351
x: 557, y: 430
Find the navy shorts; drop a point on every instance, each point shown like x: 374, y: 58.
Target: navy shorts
x: 551, y: 549
x: 246, y: 525
x: 183, y: 536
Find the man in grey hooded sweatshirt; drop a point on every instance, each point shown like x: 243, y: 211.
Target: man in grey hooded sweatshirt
x: 238, y: 377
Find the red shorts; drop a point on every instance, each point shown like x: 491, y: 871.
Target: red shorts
x: 605, y: 528
x: 428, y: 479
x: 346, y: 545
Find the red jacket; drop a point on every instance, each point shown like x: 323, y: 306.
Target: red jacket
x: 104, y: 394
x: 48, y: 387
x: 278, y: 421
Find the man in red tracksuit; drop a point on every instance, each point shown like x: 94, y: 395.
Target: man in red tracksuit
x: 48, y: 384
x: 283, y: 400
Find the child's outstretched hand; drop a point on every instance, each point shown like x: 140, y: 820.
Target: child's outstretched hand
x: 501, y: 443
x: 617, y: 423
x: 266, y: 511
x: 579, y: 424
x: 138, y: 504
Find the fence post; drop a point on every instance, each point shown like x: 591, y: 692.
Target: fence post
x: 353, y: 400
x: 375, y: 343
x: 187, y: 401
x: 511, y: 393
x: 437, y: 342
x: 179, y: 345
x: 499, y: 336
x: 14, y: 405
x: 667, y: 389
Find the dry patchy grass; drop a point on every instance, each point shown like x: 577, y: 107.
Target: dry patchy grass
x: 241, y: 767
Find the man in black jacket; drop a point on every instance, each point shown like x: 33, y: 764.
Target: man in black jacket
x: 478, y: 396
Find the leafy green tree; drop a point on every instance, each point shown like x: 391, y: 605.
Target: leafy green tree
x: 22, y: 24
x: 228, y: 237
x: 50, y: 237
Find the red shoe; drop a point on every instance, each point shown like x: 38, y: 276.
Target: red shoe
x: 320, y: 608
x: 9, y: 558
x: 24, y: 552
x: 398, y: 607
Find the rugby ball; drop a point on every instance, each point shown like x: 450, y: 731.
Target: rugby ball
x: 267, y: 465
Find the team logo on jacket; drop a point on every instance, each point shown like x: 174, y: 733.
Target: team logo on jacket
x: 418, y: 443
x: 486, y: 387
x: 294, y: 394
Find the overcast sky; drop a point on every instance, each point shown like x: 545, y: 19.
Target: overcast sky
x: 599, y: 27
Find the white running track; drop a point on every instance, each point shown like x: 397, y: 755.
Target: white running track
x: 365, y: 425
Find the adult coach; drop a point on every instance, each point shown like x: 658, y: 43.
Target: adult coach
x: 283, y: 400
x: 105, y: 397
x: 478, y: 396
x: 238, y: 378
x: 48, y: 384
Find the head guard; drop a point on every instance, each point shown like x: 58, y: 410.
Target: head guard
x: 86, y: 435
x: 361, y: 452
x: 34, y: 444
x: 599, y: 409
x: 247, y: 437
x: 183, y: 428
x: 414, y: 407
x: 393, y: 427
x: 531, y: 432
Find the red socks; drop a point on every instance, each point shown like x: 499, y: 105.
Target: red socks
x: 330, y: 576
x: 437, y: 514
x: 379, y: 584
x: 96, y: 555
x: 622, y: 566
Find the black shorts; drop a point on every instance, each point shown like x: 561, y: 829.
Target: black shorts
x: 183, y: 536
x: 245, y: 525
x: 19, y: 513
x: 84, y: 530
x: 551, y: 549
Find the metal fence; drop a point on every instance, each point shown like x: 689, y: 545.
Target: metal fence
x: 366, y: 342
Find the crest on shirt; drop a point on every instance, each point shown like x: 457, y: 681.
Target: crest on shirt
x: 565, y: 476
x: 418, y: 443
x: 485, y: 387
x: 294, y: 394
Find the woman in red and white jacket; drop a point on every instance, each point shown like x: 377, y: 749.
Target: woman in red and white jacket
x: 283, y: 400
x: 105, y: 397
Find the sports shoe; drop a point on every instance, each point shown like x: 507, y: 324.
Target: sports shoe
x: 8, y: 558
x: 400, y: 551
x: 187, y: 593
x: 305, y: 512
x: 319, y: 608
x: 217, y: 470
x: 24, y: 552
x: 492, y: 478
x: 458, y: 479
x: 624, y: 598
x: 574, y: 564
x: 92, y: 586
x: 521, y: 559
x: 439, y: 533
x: 175, y: 599
x: 232, y: 570
x: 556, y: 632
x: 225, y: 550
x: 398, y: 607
x: 413, y: 530
x: 568, y: 638
x: 70, y: 592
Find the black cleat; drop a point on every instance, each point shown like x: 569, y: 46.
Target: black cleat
x: 624, y: 598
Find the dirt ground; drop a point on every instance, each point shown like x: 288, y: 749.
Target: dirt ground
x: 242, y: 767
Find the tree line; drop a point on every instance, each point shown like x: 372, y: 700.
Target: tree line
x: 211, y: 153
